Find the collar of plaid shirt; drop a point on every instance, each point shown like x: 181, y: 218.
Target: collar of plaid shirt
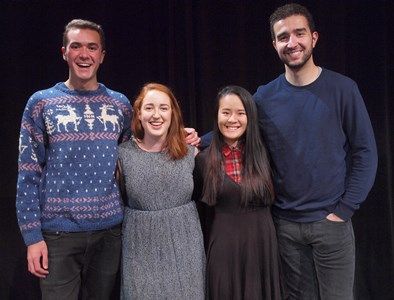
x: 233, y: 161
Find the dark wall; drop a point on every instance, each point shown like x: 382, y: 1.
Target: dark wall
x: 196, y: 47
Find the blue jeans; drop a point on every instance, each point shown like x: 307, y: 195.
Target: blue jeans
x: 81, y: 263
x: 318, y: 259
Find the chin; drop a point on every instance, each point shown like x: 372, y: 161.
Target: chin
x: 157, y: 134
x: 232, y: 138
x: 295, y: 66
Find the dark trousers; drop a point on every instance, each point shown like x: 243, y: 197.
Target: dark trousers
x: 318, y: 259
x: 82, y: 263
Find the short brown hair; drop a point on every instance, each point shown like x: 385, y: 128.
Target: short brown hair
x: 175, y: 144
x: 83, y: 24
x: 289, y: 10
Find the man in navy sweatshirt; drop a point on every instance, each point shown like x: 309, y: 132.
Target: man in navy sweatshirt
x: 324, y: 158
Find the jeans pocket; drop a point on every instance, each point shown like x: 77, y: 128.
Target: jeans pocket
x: 335, y: 223
x: 337, y: 232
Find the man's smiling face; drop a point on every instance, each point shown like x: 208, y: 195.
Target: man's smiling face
x: 83, y: 54
x: 294, y: 41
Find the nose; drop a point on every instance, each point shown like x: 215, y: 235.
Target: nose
x: 156, y: 113
x: 232, y: 118
x: 83, y: 52
x: 293, y: 41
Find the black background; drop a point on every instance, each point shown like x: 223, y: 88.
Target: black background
x: 196, y: 47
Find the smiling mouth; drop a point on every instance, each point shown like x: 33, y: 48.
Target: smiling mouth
x: 232, y: 128
x: 83, y: 65
x: 156, y: 124
x: 293, y: 52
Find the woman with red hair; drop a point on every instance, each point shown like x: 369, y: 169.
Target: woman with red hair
x: 163, y: 253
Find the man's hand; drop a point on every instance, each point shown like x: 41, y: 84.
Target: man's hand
x: 334, y: 218
x: 37, y: 259
x: 192, y: 137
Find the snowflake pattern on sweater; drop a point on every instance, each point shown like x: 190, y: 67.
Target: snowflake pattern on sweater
x: 68, y: 148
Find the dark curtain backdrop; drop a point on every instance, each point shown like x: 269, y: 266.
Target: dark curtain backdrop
x: 196, y: 47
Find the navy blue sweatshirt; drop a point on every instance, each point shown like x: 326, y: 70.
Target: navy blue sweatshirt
x: 321, y: 144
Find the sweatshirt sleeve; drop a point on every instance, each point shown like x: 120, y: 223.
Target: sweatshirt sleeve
x: 31, y: 163
x: 127, y: 115
x: 362, y: 160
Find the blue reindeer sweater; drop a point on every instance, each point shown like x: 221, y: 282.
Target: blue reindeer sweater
x: 68, y: 149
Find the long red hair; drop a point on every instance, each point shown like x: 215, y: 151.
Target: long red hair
x: 175, y: 144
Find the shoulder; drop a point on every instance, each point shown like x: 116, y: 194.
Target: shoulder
x: 264, y: 91
x: 126, y: 151
x: 192, y: 150
x: 337, y: 79
x: 340, y: 87
x: 189, y: 158
x: 40, y: 97
x: 129, y: 144
x: 201, y: 162
x: 201, y: 157
x: 114, y: 94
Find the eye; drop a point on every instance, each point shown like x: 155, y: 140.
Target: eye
x: 283, y: 38
x: 93, y: 47
x: 74, y: 46
x: 164, y: 108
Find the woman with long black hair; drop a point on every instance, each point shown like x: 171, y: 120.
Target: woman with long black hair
x: 233, y: 177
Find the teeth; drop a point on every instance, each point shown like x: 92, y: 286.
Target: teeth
x: 294, y: 52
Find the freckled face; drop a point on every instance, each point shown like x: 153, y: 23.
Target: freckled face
x: 155, y: 114
x: 232, y: 119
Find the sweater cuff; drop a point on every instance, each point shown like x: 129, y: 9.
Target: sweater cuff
x: 343, y: 211
x: 32, y: 237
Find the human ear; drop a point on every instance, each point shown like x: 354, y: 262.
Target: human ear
x: 64, y: 53
x: 315, y: 37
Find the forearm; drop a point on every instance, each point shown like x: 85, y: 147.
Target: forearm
x: 359, y: 181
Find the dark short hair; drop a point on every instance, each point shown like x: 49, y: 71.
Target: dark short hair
x: 289, y: 10
x: 83, y: 24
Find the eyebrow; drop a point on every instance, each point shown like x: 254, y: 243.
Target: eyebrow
x: 225, y: 108
x: 303, y: 29
x: 161, y: 104
x: 298, y: 30
x: 281, y: 34
x: 89, y: 44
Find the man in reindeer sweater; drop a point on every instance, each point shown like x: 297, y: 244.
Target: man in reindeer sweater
x: 68, y: 205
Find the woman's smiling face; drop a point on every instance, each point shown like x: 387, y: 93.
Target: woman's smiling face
x: 155, y: 114
x: 232, y: 119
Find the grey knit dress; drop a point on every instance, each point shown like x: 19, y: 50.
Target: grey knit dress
x: 163, y: 253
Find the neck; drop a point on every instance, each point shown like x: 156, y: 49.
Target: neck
x: 151, y: 143
x: 81, y: 85
x: 232, y: 144
x: 305, y: 75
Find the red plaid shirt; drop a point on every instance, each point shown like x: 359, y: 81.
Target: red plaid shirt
x: 233, y: 161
